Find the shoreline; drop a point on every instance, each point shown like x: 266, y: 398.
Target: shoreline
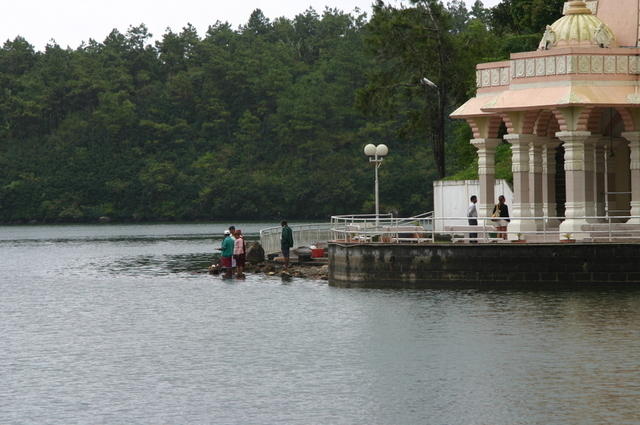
x: 270, y: 268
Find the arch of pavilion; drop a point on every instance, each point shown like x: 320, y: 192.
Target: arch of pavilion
x: 572, y: 115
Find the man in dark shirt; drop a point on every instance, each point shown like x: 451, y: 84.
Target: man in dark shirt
x: 286, y: 242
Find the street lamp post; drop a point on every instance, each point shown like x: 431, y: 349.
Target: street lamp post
x: 376, y: 155
x: 438, y: 143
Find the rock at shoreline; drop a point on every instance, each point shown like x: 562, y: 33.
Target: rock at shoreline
x: 255, y: 253
x: 320, y: 272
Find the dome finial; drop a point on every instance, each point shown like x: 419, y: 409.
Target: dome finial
x: 577, y: 8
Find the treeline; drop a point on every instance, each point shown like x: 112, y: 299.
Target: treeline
x: 263, y: 121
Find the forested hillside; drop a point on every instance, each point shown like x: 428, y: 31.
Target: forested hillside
x: 259, y: 122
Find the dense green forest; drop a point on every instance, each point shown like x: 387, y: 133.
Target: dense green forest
x: 263, y: 121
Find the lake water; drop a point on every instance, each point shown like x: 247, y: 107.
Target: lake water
x: 121, y: 325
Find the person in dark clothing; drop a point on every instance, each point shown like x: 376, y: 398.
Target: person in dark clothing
x: 472, y: 216
x: 286, y: 242
x: 501, y: 217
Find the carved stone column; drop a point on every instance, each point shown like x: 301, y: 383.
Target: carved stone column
x: 634, y: 166
x: 521, y: 206
x: 535, y: 178
x: 574, y: 166
x: 549, y: 182
x: 599, y: 160
x: 610, y: 185
x: 590, y: 176
x: 486, y: 173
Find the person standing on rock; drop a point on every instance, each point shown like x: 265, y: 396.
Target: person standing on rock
x: 286, y: 242
x: 228, y: 244
x: 239, y: 253
x: 232, y: 233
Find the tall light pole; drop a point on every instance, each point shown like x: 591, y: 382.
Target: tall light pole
x: 376, y: 155
x: 438, y: 143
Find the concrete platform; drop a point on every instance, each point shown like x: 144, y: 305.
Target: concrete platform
x: 478, y: 265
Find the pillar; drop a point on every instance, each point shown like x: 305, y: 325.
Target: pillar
x: 634, y: 167
x: 549, y: 207
x: 535, y: 179
x: 520, y: 206
x: 590, y: 176
x: 610, y: 185
x: 599, y: 179
x: 575, y: 178
x: 486, y: 173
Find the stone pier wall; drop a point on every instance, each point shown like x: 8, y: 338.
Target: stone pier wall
x: 442, y: 265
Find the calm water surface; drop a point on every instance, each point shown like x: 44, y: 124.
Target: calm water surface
x: 120, y: 325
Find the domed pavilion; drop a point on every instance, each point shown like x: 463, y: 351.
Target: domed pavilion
x: 571, y: 111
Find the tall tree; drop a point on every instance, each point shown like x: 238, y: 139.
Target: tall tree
x: 417, y: 54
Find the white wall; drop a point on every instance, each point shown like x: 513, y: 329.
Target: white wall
x: 451, y: 199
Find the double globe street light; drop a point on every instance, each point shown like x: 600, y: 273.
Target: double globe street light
x: 376, y: 155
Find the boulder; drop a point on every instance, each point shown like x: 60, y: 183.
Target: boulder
x: 255, y: 253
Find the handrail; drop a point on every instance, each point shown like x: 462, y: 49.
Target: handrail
x: 590, y: 229
x: 368, y: 227
x: 303, y: 235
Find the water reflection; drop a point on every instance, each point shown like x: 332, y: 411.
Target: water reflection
x: 161, y: 265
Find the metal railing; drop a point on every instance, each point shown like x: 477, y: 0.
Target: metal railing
x: 319, y: 233
x: 546, y: 229
x: 421, y: 229
x: 383, y: 228
x: 303, y: 235
x: 367, y: 228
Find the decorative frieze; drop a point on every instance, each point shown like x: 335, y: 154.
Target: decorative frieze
x: 572, y: 64
x: 530, y: 67
x: 597, y: 64
x: 561, y: 65
x: 504, y: 76
x: 622, y: 63
x: 495, y: 77
x: 486, y: 78
x: 557, y: 65
x: 540, y: 67
x: 520, y: 68
x: 609, y: 64
x: 633, y: 64
x: 550, y: 65
x: 584, y: 64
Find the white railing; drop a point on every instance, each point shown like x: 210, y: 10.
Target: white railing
x: 385, y: 228
x: 382, y: 228
x: 544, y: 229
x: 588, y: 229
x: 303, y: 235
